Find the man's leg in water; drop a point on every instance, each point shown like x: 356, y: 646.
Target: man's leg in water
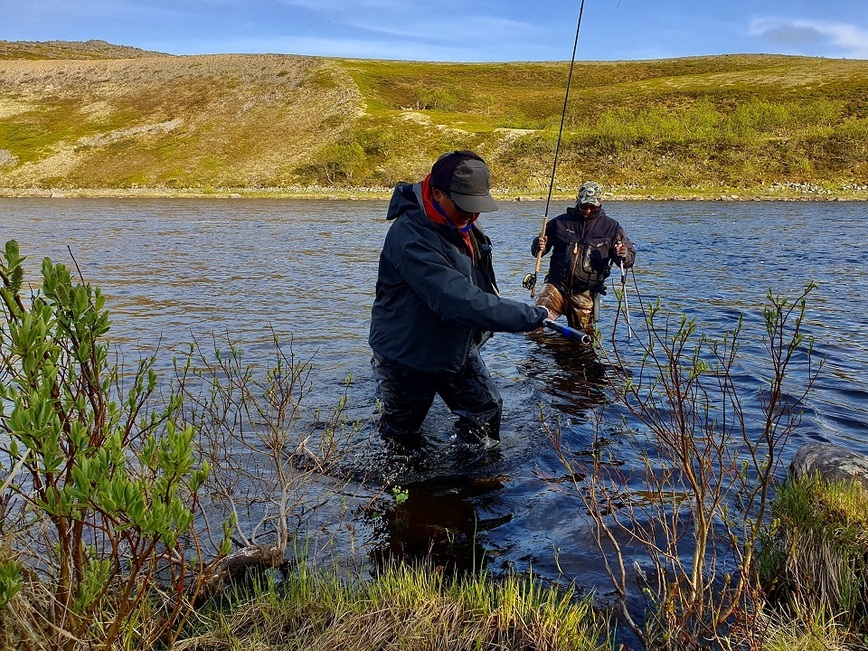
x: 472, y: 396
x: 407, y: 395
x: 580, y: 311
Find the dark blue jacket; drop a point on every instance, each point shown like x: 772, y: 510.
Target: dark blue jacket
x: 432, y: 303
x: 583, y: 250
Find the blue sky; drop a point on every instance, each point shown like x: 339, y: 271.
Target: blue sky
x: 452, y: 30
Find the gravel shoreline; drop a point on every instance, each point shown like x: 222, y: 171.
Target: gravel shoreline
x: 380, y: 194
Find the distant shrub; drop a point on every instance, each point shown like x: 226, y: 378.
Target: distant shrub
x: 782, y: 118
x: 436, y: 99
x: 850, y: 141
x: 701, y: 121
x: 338, y: 162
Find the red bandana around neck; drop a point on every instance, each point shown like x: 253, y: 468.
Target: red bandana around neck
x: 436, y: 216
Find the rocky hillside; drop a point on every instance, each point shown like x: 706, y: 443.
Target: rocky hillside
x: 173, y: 122
x: 99, y: 118
x: 70, y: 50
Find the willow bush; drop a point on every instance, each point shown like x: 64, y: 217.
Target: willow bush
x: 698, y: 502
x: 127, y: 501
x: 102, y: 485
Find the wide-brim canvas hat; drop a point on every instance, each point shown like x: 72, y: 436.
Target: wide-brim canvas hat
x: 464, y: 176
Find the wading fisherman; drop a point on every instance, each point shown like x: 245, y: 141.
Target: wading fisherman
x: 585, y: 242
x: 437, y: 302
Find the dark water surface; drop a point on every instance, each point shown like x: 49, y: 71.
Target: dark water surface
x: 174, y: 269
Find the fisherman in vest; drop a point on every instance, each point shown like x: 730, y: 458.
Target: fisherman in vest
x: 585, y: 242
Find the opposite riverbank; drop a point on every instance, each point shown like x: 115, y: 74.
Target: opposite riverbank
x: 80, y: 119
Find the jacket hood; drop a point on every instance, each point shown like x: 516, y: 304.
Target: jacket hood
x: 407, y: 197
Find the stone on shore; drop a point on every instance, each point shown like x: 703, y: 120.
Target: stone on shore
x: 831, y: 462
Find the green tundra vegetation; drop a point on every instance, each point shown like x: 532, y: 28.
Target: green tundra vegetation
x: 91, y: 117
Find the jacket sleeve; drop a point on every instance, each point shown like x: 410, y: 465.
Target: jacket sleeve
x: 450, y: 295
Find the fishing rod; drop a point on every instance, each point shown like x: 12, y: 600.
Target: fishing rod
x: 568, y: 332
x: 529, y: 281
x: 624, y: 293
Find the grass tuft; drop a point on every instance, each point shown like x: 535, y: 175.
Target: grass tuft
x: 814, y: 560
x: 403, y: 607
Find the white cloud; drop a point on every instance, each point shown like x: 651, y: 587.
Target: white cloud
x: 452, y: 20
x: 347, y: 6
x: 808, y: 36
x: 412, y: 29
x: 484, y: 28
x: 397, y: 48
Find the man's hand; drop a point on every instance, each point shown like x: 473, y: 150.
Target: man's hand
x: 620, y: 249
x: 542, y: 242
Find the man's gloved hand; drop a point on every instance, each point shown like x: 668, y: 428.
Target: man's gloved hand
x: 621, y: 250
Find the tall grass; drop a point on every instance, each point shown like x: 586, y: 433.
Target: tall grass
x: 403, y: 608
x: 814, y: 557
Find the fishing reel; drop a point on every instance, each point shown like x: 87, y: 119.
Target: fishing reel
x: 529, y: 281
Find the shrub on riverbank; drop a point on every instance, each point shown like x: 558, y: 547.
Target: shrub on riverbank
x: 729, y: 558
x: 101, y: 486
x: 123, y: 494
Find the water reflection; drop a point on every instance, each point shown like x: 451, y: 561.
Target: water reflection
x: 442, y: 519
x: 568, y: 372
x: 440, y: 500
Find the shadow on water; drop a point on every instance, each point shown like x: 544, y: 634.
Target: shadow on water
x: 440, y: 521
x: 437, y: 502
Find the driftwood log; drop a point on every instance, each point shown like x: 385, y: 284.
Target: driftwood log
x: 235, y: 564
x: 831, y: 462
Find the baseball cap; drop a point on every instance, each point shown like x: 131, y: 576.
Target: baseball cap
x: 465, y: 177
x: 590, y: 193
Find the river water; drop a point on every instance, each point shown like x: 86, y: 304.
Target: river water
x: 176, y: 269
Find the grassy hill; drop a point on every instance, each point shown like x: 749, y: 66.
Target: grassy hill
x: 99, y: 118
